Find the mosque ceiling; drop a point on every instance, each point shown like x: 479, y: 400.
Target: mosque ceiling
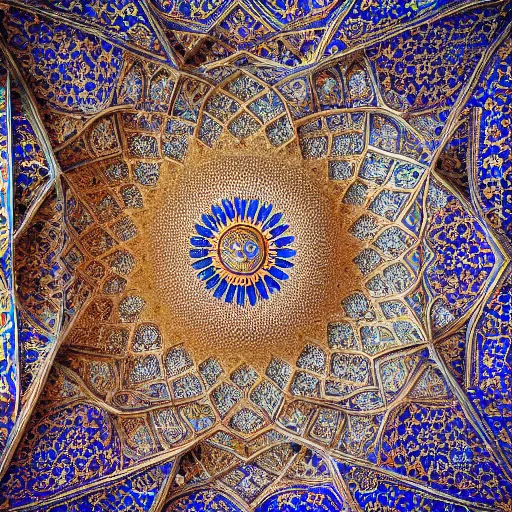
x: 255, y: 255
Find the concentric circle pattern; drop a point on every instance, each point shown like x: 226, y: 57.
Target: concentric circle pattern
x: 200, y: 292
x: 242, y: 249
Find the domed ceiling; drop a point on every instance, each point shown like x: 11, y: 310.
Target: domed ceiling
x: 255, y: 255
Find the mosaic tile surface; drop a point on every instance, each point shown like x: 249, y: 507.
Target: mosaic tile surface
x: 255, y: 256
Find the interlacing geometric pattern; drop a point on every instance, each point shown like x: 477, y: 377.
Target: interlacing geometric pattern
x: 256, y: 255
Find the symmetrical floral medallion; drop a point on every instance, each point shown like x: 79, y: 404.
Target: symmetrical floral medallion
x: 242, y: 249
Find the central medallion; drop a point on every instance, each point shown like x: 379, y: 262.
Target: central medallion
x: 264, y: 232
x: 241, y: 249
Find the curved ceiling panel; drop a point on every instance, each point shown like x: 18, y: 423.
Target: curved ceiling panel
x: 255, y: 256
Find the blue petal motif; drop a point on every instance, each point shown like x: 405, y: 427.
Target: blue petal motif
x: 251, y: 294
x: 285, y: 240
x: 286, y: 253
x: 219, y: 291
x: 253, y: 208
x: 206, y: 273
x: 212, y: 282
x: 228, y: 208
x: 263, y: 213
x: 240, y: 205
x: 210, y: 222
x: 198, y: 253
x: 231, y: 293
x: 272, y: 221
x: 260, y: 285
x: 279, y: 230
x: 201, y: 230
x: 278, y: 274
x: 219, y: 214
x: 199, y: 241
x: 272, y: 284
x: 240, y: 295
x: 198, y: 265
x: 283, y: 263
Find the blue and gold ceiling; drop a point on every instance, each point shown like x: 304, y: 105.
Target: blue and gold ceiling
x: 256, y: 255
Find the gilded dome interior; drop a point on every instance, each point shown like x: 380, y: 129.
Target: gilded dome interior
x: 255, y: 255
